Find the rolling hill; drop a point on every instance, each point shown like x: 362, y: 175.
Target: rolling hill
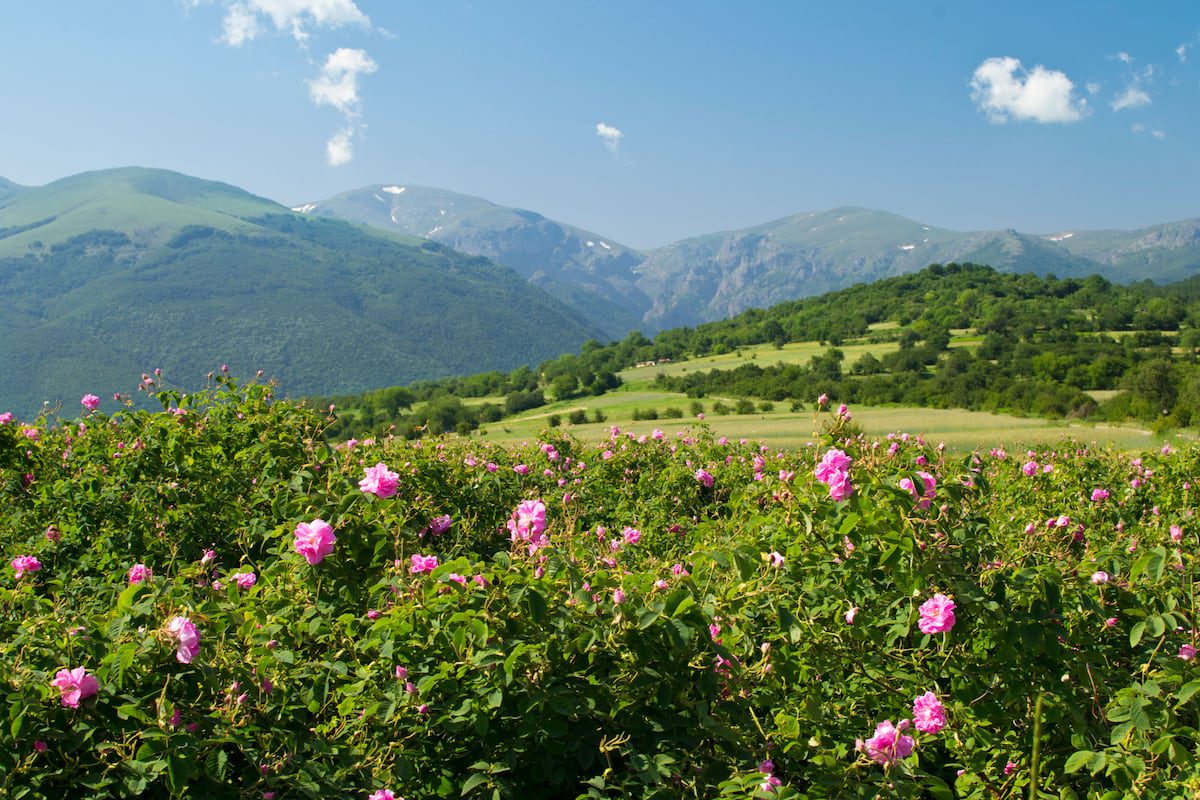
x: 105, y: 275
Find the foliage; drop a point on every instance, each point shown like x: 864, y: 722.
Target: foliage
x: 687, y: 619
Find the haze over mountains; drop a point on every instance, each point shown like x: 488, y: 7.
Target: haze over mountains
x: 106, y: 274
x: 720, y: 274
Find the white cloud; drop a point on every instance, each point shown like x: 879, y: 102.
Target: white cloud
x: 1004, y: 90
x: 340, y: 147
x: 245, y: 20
x: 337, y: 86
x: 1138, y: 127
x: 610, y: 136
x: 1182, y: 50
x: 1092, y: 87
x: 1124, y: 57
x: 1132, y: 97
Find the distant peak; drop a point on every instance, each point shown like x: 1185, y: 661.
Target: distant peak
x: 394, y: 189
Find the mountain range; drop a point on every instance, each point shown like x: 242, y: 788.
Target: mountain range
x: 105, y: 274
x: 720, y: 274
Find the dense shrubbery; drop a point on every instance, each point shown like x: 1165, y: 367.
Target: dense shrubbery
x: 691, y: 609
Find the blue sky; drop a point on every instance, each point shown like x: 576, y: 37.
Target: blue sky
x: 1036, y: 116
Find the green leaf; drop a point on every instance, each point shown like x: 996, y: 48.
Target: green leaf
x: 1079, y: 760
x: 1135, y: 633
x: 1185, y: 693
x: 472, y: 782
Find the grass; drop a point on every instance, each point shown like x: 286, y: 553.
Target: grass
x: 962, y: 431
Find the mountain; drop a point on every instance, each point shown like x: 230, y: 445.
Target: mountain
x: 8, y: 190
x: 591, y: 273
x: 107, y: 274
x: 717, y: 275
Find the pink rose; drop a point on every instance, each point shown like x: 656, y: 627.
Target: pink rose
x: 186, y: 638
x: 90, y: 401
x: 139, y: 573
x: 75, y: 685
x: 422, y: 563
x: 528, y: 524
x: 245, y: 580
x: 928, y: 714
x: 314, y: 540
x: 379, y: 481
x: 23, y: 565
x: 705, y: 478
x: 937, y: 614
x: 889, y: 744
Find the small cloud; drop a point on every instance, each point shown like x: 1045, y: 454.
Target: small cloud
x: 1124, y: 57
x: 610, y: 136
x: 1004, y: 90
x: 337, y: 86
x: 1182, y: 50
x: 1132, y: 97
x: 245, y: 20
x: 1138, y: 127
x: 340, y: 147
x: 1093, y: 88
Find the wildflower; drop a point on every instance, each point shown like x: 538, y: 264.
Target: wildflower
x: 705, y: 478
x: 822, y: 400
x: 461, y: 580
x: 1176, y: 533
x: 40, y: 746
x: 187, y: 639
x: 75, y: 685
x: 53, y: 534
x: 90, y: 401
x: 851, y: 614
x: 1029, y: 468
x: 528, y: 524
x: 618, y: 596
x: 422, y: 563
x: 1099, y: 494
x: 1009, y: 768
x: 384, y: 794
x: 776, y: 559
x: 245, y: 580
x: 379, y: 481
x: 1099, y: 577
x: 1111, y: 622
x: 138, y: 573
x: 314, y: 540
x: 1187, y: 652
x: 23, y: 565
x: 937, y: 614
x: 889, y: 744
x: 631, y: 535
x: 521, y: 469
x: 928, y: 492
x: 439, y: 525
x: 928, y: 714
x: 209, y: 556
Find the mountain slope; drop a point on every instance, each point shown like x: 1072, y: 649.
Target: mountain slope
x: 589, y: 272
x: 8, y: 190
x: 126, y: 270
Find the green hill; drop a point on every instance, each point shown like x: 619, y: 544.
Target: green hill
x: 109, y: 274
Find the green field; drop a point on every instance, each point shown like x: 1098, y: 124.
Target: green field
x: 960, y: 430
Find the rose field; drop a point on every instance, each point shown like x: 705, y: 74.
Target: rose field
x: 210, y: 601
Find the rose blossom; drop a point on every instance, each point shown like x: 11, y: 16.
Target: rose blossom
x: 139, y: 573
x: 928, y: 714
x: 75, y: 685
x: 889, y: 744
x: 186, y: 638
x: 90, y: 401
x: 937, y: 614
x: 379, y: 481
x: 23, y: 565
x: 314, y: 540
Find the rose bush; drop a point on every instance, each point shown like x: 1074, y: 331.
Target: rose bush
x: 561, y: 619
